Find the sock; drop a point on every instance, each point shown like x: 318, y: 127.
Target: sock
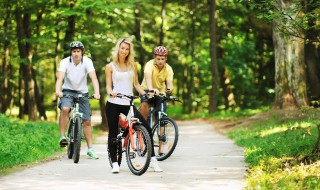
x: 90, y: 148
x: 153, y: 158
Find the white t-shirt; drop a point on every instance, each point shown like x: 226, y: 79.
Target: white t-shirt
x: 122, y: 83
x: 76, y: 75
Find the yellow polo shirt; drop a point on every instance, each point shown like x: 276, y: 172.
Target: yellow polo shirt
x: 158, y: 77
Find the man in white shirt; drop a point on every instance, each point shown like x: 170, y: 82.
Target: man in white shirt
x: 73, y: 72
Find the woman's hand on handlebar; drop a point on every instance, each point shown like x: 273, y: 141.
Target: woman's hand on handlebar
x: 113, y: 95
x: 96, y: 96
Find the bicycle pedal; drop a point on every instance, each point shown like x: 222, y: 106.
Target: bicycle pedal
x: 132, y: 155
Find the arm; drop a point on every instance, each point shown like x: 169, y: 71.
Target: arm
x: 136, y: 81
x: 60, y: 77
x: 169, y: 80
x: 108, y: 72
x: 95, y: 83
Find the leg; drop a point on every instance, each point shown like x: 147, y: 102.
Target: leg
x: 87, y: 132
x: 64, y: 118
x: 144, y: 108
x: 112, y: 118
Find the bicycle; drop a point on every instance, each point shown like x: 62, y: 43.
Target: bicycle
x: 165, y: 132
x: 133, y: 139
x: 75, y: 130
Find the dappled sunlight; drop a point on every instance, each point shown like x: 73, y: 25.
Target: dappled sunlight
x: 285, y: 127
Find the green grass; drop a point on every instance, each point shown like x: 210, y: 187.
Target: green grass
x: 279, y: 148
x: 175, y: 111
x: 26, y: 142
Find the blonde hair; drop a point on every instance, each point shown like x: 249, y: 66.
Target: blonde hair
x: 129, y: 58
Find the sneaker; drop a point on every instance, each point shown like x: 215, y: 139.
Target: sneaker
x: 154, y: 165
x: 115, y: 167
x: 63, y: 141
x: 92, y: 154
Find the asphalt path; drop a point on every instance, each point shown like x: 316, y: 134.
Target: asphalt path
x: 203, y: 159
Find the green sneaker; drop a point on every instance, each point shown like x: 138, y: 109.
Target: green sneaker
x: 92, y: 154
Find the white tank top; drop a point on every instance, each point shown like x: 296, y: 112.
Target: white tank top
x: 122, y: 83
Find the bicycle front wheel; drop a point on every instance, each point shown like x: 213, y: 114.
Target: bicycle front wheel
x: 77, y: 140
x: 70, y: 140
x: 139, y: 150
x: 165, y: 138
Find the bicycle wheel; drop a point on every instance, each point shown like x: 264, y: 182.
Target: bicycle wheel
x: 70, y: 140
x: 165, y: 137
x: 138, y: 159
x: 119, y: 153
x: 77, y: 140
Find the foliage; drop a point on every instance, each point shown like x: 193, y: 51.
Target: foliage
x: 28, y: 142
x: 175, y: 111
x: 100, y: 23
x: 278, y: 148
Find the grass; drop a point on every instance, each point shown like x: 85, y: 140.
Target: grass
x: 175, y: 111
x: 26, y: 142
x: 278, y: 150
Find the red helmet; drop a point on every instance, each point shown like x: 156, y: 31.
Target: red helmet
x: 161, y: 50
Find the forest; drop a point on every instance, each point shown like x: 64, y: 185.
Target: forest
x: 226, y: 54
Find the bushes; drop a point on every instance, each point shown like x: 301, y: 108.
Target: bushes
x: 26, y: 142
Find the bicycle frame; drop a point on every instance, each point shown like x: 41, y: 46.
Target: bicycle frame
x: 131, y: 121
x: 138, y: 149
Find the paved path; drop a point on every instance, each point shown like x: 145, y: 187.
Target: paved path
x: 203, y: 159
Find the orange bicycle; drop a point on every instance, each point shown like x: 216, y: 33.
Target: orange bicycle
x: 133, y: 139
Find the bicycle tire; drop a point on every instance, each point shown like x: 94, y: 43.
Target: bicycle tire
x: 77, y: 140
x: 119, y: 154
x: 170, y: 140
x: 70, y: 140
x: 138, y: 160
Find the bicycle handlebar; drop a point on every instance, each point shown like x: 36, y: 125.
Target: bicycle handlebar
x: 83, y: 96
x: 168, y: 98
x: 119, y: 95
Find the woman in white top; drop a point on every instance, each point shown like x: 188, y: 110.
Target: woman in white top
x: 121, y: 76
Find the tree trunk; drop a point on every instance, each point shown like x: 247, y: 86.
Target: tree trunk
x: 229, y: 101
x: 137, y: 34
x: 56, y: 57
x: 5, y: 87
x: 185, y: 92
x: 290, y: 79
x: 70, y: 32
x: 99, y: 72
x: 163, y: 15
x: 24, y: 32
x: 38, y: 87
x: 311, y: 55
x: 213, y: 100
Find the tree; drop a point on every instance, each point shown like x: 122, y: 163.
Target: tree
x: 290, y: 88
x: 213, y: 57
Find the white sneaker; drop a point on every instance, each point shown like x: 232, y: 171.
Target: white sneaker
x: 154, y: 165
x: 115, y: 167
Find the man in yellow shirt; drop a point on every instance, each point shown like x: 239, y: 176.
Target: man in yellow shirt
x: 158, y: 76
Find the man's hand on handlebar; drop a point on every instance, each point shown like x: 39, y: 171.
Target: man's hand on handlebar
x: 59, y: 94
x: 168, y: 91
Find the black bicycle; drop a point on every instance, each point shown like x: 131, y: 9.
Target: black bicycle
x: 75, y: 129
x: 133, y: 139
x: 165, y: 132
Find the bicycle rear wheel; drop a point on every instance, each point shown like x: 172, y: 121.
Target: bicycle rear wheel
x: 138, y: 159
x: 70, y: 140
x: 165, y: 137
x: 77, y: 140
